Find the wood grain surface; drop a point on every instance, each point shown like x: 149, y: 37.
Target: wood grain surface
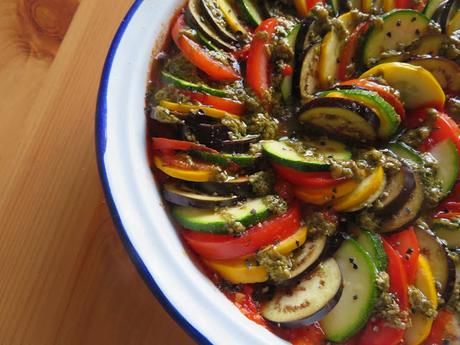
x: 65, y: 277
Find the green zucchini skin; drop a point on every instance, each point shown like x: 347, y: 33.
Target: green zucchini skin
x: 373, y: 245
x: 406, y: 152
x: 446, y: 154
x: 249, y: 213
x: 448, y: 234
x: 280, y: 152
x: 389, y: 119
x: 170, y: 79
x: 400, y: 27
x: 287, y: 82
x: 431, y: 7
x: 359, y: 275
x: 341, y: 117
x: 251, y: 11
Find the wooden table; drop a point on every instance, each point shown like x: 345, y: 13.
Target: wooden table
x: 65, y: 277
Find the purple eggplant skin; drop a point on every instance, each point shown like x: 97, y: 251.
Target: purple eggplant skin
x: 441, y: 15
x: 320, y: 314
x: 441, y: 263
x: 406, y: 187
x: 408, y: 212
x: 336, y: 102
x: 240, y: 187
x: 176, y: 194
x: 236, y: 146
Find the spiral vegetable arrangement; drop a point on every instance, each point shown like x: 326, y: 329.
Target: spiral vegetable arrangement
x: 310, y: 153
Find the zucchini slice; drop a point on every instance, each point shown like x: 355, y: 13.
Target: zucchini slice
x: 286, y: 83
x: 215, y: 16
x: 400, y: 28
x: 373, y: 245
x: 418, y: 87
x: 251, y: 11
x: 364, y: 195
x: 284, y: 154
x: 429, y: 45
x: 341, y: 117
x: 231, y: 17
x: 406, y: 153
x: 209, y: 220
x: 431, y: 7
x: 446, y: 71
x: 359, y: 294
x: 442, y: 265
x: 170, y: 79
x: 389, y: 119
x: 448, y: 233
x: 194, y: 18
x: 244, y: 160
x: 309, y: 300
x: 446, y: 154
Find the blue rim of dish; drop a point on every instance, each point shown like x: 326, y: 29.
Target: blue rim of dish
x: 101, y: 141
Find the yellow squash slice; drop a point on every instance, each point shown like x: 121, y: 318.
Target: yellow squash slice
x: 182, y: 174
x: 186, y: 108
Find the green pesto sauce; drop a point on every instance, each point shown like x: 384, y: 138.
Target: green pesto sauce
x: 420, y: 304
x: 277, y: 265
x: 262, y: 182
x: 275, y: 204
x: 318, y: 225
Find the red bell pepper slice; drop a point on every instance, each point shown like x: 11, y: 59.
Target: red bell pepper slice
x: 168, y: 145
x: 406, y: 244
x: 225, y: 104
x: 307, y: 179
x: 349, y: 51
x: 199, y: 56
x: 258, y: 64
x: 439, y: 332
x: 223, y: 247
x: 443, y: 128
x: 181, y: 160
x: 382, y: 90
x: 376, y: 331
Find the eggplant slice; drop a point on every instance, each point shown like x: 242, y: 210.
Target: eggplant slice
x: 216, y: 18
x: 441, y: 264
x: 183, y: 196
x: 240, y: 187
x: 397, y: 191
x: 309, y: 300
x: 408, y: 211
x: 195, y: 19
x: 341, y: 117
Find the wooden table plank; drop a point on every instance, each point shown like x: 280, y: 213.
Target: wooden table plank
x: 64, y: 276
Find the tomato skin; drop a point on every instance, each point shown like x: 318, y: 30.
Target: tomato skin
x: 287, y: 70
x: 199, y: 56
x: 383, y: 91
x: 406, y: 244
x: 306, y: 335
x: 439, y: 332
x: 376, y: 331
x: 349, y: 50
x: 308, y: 179
x: 244, y: 301
x: 284, y: 189
x: 242, y: 53
x: 223, y: 247
x: 443, y: 128
x: 258, y: 64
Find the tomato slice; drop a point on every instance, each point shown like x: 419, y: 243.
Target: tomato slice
x: 244, y: 301
x: 225, y: 104
x: 406, y: 244
x: 382, y: 90
x: 349, y: 51
x: 306, y: 335
x: 165, y: 144
x: 258, y: 64
x: 223, y: 247
x: 284, y: 189
x: 308, y: 179
x: 182, y: 161
x: 199, y: 56
x: 439, y: 332
x: 377, y: 332
x: 443, y: 128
